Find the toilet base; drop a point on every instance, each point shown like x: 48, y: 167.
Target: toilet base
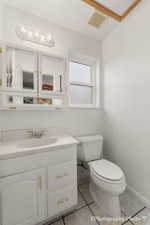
x: 110, y: 204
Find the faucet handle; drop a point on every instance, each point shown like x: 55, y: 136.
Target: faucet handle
x: 37, y: 132
x: 30, y: 132
x: 43, y: 131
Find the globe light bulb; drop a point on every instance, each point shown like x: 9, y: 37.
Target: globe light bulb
x: 49, y: 38
x: 23, y: 30
x: 37, y: 34
x: 42, y: 38
x: 30, y: 34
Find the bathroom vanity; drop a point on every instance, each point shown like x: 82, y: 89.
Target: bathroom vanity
x: 37, y: 183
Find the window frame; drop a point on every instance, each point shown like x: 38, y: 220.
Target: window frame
x: 91, y: 84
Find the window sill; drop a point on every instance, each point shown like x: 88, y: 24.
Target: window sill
x: 84, y: 107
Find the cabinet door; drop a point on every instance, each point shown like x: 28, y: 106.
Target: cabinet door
x: 51, y: 74
x: 2, y: 71
x: 20, y: 70
x: 22, y: 198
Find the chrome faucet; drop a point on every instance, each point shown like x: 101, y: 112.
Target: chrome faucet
x: 36, y: 133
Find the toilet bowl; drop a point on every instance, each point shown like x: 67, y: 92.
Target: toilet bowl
x: 107, y: 180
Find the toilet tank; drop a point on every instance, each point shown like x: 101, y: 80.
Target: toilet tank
x: 90, y: 147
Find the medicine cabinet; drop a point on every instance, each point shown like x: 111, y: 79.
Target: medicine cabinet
x: 31, y: 79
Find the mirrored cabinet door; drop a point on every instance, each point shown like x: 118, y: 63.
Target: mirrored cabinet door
x: 1, y: 66
x: 30, y: 78
x: 20, y: 70
x: 51, y: 74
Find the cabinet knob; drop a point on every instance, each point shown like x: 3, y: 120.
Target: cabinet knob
x: 60, y: 202
x: 62, y: 176
x: 12, y: 107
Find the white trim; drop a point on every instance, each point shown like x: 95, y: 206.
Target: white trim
x: 82, y: 58
x: 139, y: 196
x: 83, y: 107
x: 92, y: 85
x: 35, y: 107
x: 84, y: 84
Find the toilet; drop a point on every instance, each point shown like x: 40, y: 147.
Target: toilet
x: 107, y: 180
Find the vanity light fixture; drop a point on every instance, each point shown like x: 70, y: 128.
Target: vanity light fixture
x: 33, y: 35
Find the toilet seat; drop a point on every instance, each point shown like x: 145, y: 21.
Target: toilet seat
x: 106, y: 170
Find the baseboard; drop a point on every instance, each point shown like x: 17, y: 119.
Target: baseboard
x: 139, y: 196
x: 83, y: 180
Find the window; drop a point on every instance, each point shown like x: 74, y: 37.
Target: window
x: 82, y: 84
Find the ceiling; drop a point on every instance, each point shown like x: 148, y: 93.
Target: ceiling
x: 72, y: 14
x: 118, y: 6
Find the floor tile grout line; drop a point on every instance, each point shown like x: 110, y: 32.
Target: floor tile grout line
x: 83, y: 197
x: 123, y: 213
x: 81, y: 208
x: 55, y: 221
x: 63, y: 221
x: 90, y: 203
x: 86, y: 204
x: 129, y: 220
x: 75, y: 210
x: 83, y: 183
x: 93, y: 215
x: 138, y: 212
x: 89, y: 208
x: 69, y: 214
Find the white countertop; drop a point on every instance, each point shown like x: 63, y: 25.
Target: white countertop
x: 11, y: 149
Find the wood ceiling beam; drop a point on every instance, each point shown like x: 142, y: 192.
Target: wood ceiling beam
x: 109, y: 12
x: 130, y: 9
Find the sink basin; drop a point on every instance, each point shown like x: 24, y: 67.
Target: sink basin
x: 33, y: 143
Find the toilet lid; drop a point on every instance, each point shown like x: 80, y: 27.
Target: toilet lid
x: 107, y: 169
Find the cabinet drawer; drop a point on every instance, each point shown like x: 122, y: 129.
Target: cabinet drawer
x: 60, y: 201
x: 61, y: 176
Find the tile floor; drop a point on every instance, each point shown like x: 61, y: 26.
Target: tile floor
x: 87, y: 210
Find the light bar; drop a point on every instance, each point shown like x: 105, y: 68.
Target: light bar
x: 33, y: 35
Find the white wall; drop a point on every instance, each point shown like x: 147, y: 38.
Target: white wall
x: 0, y: 21
x: 75, y: 121
x: 127, y: 97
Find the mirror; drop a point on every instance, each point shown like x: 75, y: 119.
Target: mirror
x: 51, y: 76
x: 27, y: 80
x: 30, y: 78
x: 47, y: 82
x: 20, y: 69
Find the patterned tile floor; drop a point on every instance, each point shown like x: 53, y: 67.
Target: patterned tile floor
x: 133, y: 212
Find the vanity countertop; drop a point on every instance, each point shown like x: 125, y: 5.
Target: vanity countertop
x: 11, y: 149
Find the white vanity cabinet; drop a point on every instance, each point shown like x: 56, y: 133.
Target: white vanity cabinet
x: 38, y: 187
